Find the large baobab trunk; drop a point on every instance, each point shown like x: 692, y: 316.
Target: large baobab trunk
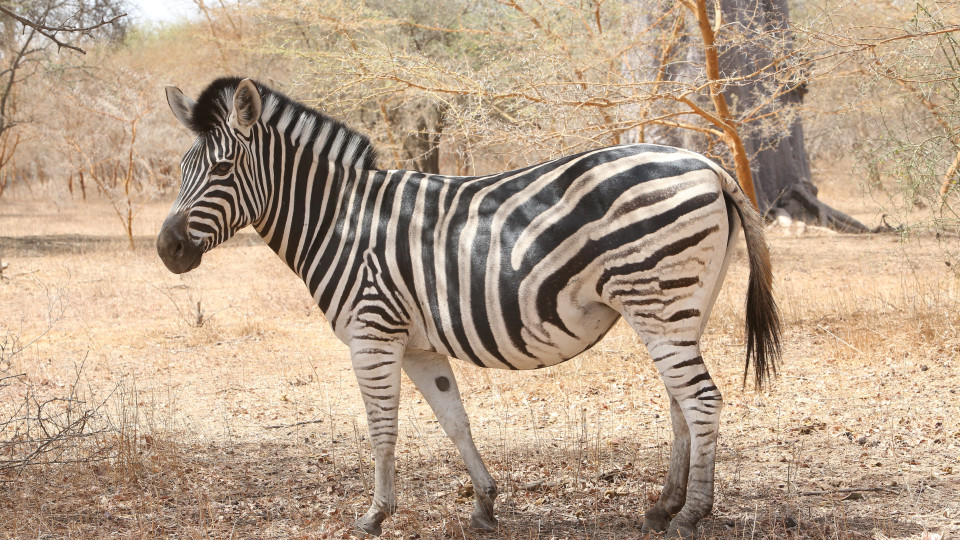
x: 418, y: 123
x: 422, y: 144
x: 762, y: 87
x: 755, y: 32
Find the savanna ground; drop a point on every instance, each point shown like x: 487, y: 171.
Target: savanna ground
x: 219, y: 404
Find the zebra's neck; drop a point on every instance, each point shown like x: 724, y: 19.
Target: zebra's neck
x: 309, y: 203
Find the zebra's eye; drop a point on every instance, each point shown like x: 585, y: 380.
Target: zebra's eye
x: 221, y: 169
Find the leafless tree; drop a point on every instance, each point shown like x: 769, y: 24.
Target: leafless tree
x: 83, y: 20
x: 27, y: 28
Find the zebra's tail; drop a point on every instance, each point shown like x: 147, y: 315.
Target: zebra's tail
x: 762, y: 314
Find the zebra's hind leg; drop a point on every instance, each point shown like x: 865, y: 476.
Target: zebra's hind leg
x: 377, y: 367
x: 695, y: 402
x: 674, y: 493
x: 432, y: 375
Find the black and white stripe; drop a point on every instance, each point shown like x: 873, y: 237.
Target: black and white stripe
x: 517, y: 270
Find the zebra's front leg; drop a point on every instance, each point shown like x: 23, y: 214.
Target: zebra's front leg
x: 377, y: 367
x: 432, y: 375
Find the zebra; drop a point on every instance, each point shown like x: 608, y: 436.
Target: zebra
x: 517, y: 270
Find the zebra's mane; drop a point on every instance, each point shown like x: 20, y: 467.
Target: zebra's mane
x: 300, y: 122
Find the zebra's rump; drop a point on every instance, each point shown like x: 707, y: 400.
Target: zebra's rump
x: 526, y: 269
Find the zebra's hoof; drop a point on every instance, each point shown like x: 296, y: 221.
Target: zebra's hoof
x: 373, y: 529
x: 484, y: 522
x: 370, y: 524
x: 684, y: 532
x: 482, y: 516
x: 655, y: 520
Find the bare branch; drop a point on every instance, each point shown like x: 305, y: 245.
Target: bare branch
x: 50, y: 32
x: 723, y: 118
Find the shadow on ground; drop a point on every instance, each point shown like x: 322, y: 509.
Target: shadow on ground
x: 59, y: 244
x: 315, y: 489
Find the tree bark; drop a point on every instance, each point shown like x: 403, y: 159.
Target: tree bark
x: 419, y: 126
x: 422, y: 144
x: 781, y: 172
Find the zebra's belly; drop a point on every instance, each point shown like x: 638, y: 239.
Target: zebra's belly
x: 555, y: 345
x: 543, y: 344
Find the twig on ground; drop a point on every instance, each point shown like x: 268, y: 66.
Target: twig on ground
x: 846, y: 490
x: 838, y: 338
x: 295, y: 424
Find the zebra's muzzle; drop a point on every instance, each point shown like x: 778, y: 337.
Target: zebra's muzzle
x: 178, y: 253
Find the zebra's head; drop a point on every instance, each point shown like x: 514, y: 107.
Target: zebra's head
x: 218, y: 195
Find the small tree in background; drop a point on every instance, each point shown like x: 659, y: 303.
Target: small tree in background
x: 912, y: 155
x: 112, y: 103
x: 28, y: 30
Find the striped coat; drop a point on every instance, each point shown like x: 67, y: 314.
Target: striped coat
x: 516, y: 270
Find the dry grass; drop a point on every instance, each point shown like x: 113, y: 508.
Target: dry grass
x: 250, y: 425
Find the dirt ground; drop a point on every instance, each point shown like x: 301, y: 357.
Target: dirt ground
x: 219, y: 404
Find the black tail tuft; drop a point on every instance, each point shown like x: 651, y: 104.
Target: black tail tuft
x: 763, y: 321
x: 763, y: 316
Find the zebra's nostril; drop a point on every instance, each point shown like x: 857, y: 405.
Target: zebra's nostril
x: 179, y: 250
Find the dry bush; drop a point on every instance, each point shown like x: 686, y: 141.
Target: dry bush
x: 886, y: 104
x: 71, y: 444
x: 75, y: 456
x: 105, y: 113
x: 516, y: 80
x: 43, y: 425
x: 44, y: 428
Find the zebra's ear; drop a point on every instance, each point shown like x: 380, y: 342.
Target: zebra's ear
x: 181, y: 105
x: 246, y: 104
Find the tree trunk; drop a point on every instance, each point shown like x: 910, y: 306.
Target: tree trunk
x: 421, y: 124
x: 755, y: 32
x: 674, y: 58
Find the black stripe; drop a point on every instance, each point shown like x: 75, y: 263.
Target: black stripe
x: 704, y: 390
x: 696, y: 379
x: 373, y: 350
x: 679, y: 283
x: 375, y: 366
x: 695, y: 361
